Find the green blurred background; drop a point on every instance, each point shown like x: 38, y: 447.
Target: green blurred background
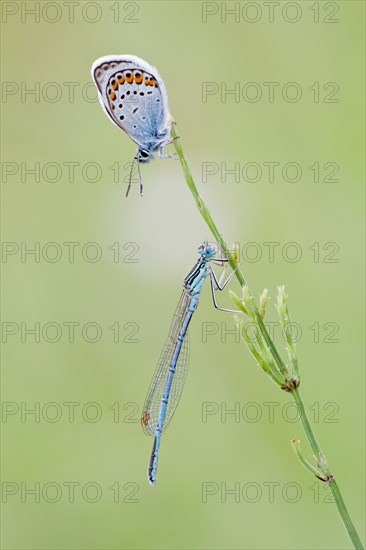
x: 105, y: 460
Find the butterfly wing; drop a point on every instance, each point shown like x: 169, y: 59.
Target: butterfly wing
x: 134, y: 97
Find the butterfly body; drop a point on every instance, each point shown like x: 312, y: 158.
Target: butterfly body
x: 134, y: 97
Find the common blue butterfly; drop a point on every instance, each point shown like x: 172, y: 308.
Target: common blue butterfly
x: 133, y: 95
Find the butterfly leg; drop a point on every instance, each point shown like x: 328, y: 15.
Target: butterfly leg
x: 171, y: 139
x: 160, y: 152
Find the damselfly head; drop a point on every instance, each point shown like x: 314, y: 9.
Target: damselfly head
x: 207, y: 251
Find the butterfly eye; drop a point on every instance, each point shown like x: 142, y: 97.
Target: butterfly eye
x: 144, y: 154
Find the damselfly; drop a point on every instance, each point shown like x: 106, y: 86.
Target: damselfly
x: 168, y: 381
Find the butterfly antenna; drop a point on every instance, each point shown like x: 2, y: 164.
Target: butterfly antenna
x: 140, y: 178
x: 130, y: 179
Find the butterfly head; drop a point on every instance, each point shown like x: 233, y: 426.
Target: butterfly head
x: 144, y: 155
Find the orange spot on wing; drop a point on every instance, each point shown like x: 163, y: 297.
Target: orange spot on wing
x: 129, y: 78
x: 121, y: 80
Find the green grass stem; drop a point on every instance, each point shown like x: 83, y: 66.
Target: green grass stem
x: 322, y: 466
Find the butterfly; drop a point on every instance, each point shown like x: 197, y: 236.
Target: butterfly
x: 134, y: 97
